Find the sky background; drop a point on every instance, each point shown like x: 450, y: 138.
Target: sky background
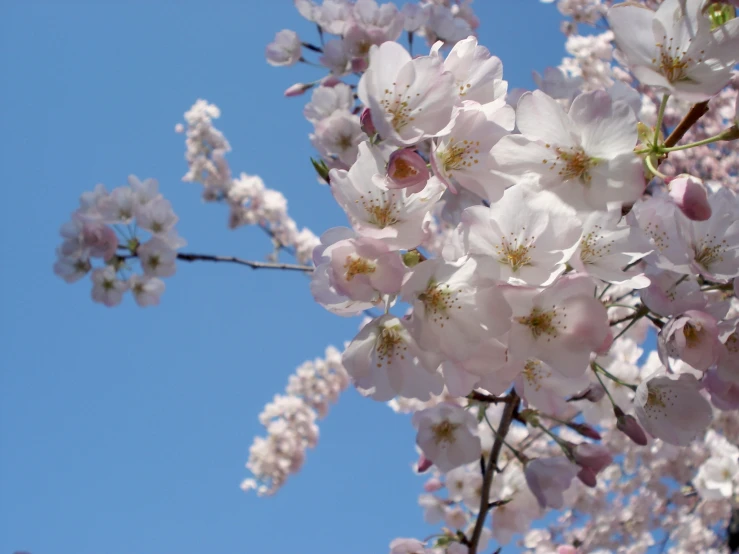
x: 126, y: 430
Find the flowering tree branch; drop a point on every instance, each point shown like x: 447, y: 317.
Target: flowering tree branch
x: 188, y: 257
x: 491, y: 466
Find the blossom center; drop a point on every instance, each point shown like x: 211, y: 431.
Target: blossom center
x: 403, y: 169
x: 444, y: 432
x: 572, y: 163
x: 590, y: 250
x: 357, y: 266
x: 513, y: 254
x: 390, y: 344
x: 459, y: 155
x: 707, y: 253
x: 533, y: 374
x: 438, y: 300
x: 692, y: 333
x: 541, y: 323
x: 382, y: 212
x: 672, y: 62
x: 397, y: 105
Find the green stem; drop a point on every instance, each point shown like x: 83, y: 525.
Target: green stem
x: 602, y: 384
x: 729, y: 134
x: 612, y: 377
x: 622, y: 306
x: 660, y: 117
x: 629, y: 326
x: 653, y: 169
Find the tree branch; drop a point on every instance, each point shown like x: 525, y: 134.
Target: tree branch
x: 185, y: 257
x: 487, y: 478
x: 690, y: 119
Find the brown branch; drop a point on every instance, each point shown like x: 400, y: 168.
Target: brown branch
x: 185, y: 257
x: 690, y: 119
x: 482, y: 397
x: 487, y: 478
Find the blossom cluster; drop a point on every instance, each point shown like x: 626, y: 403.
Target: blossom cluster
x: 510, y: 251
x: 129, y: 224
x: 250, y: 202
x: 290, y: 422
x: 528, y: 241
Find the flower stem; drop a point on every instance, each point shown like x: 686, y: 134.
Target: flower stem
x: 599, y: 368
x: 728, y: 134
x: 660, y: 117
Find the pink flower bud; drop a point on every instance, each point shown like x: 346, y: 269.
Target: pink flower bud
x: 365, y: 121
x: 628, y: 425
x: 423, y: 464
x: 585, y: 430
x: 691, y: 197
x: 359, y: 65
x: 592, y: 456
x: 433, y: 485
x: 407, y: 169
x: 588, y: 477
x: 298, y: 88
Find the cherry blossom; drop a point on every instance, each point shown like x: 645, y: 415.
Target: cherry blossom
x: 377, y: 211
x: 675, y: 49
x: 385, y: 361
x: 447, y: 435
x: 585, y: 155
x: 410, y: 99
x: 561, y: 325
x: 671, y: 408
x: 285, y: 50
x: 521, y: 239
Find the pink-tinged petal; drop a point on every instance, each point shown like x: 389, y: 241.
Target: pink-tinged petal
x: 608, y: 129
x: 691, y: 197
x: 671, y: 408
x: 539, y: 116
x: 632, y: 27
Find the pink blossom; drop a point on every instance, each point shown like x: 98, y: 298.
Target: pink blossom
x: 549, y: 478
x: 406, y: 169
x: 693, y: 337
x: 691, y: 197
x: 671, y: 408
x: 447, y: 435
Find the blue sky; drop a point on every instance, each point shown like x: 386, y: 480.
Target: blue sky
x: 125, y: 430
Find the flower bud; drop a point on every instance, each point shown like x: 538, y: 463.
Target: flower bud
x: 298, y: 88
x: 585, y: 430
x: 691, y: 197
x: 423, y: 464
x: 407, y: 169
x: 628, y: 425
x: 432, y: 485
x: 365, y: 121
x: 595, y: 457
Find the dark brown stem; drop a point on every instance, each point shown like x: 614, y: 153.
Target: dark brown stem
x: 487, y: 478
x: 482, y: 397
x: 690, y: 119
x: 185, y: 257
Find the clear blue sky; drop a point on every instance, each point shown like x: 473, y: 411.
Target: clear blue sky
x: 125, y: 431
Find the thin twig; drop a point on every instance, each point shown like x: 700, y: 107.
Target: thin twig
x: 487, y: 478
x: 186, y: 257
